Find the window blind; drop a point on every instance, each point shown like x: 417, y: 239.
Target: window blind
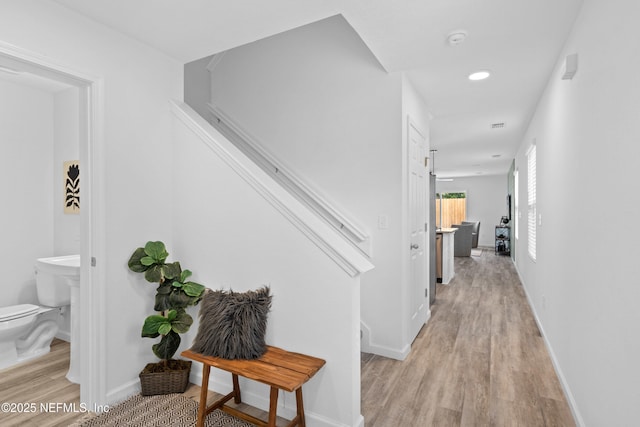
x: 531, y: 201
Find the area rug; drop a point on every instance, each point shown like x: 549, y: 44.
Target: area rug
x: 476, y: 252
x: 173, y: 410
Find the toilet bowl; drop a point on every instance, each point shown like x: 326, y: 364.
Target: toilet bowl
x: 15, y: 321
x: 26, y: 330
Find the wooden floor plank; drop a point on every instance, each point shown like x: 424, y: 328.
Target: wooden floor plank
x: 481, y: 360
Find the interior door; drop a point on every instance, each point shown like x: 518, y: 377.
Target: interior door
x: 418, y: 188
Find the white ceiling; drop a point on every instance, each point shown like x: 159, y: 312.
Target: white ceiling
x: 518, y: 40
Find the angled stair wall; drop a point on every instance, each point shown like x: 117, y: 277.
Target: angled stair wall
x: 320, y: 204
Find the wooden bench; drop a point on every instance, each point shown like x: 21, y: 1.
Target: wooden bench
x: 278, y: 368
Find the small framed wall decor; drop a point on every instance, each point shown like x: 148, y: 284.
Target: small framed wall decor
x: 71, y: 178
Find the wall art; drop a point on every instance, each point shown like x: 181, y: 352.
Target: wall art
x: 71, y: 177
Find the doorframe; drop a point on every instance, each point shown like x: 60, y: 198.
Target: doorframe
x: 92, y: 222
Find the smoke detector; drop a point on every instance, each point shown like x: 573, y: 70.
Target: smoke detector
x: 457, y: 37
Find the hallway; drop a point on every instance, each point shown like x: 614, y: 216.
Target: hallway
x: 480, y: 360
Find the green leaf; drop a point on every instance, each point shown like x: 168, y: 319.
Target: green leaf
x: 185, y: 275
x: 193, y: 289
x: 167, y: 346
x: 178, y: 299
x: 154, y: 274
x: 134, y: 262
x: 147, y: 261
x: 152, y: 325
x: 171, y: 315
x: 157, y: 251
x: 176, y: 284
x: 164, y: 289
x: 162, y: 301
x: 182, y: 322
x: 164, y: 329
x: 172, y: 270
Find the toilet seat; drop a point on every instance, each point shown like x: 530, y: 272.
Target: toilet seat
x: 17, y: 311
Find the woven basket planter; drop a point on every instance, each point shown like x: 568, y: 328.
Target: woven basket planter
x: 175, y: 381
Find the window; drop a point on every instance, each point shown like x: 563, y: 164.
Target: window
x: 451, y: 208
x: 531, y: 201
x: 515, y: 196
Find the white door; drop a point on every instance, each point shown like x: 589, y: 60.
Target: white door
x: 418, y: 253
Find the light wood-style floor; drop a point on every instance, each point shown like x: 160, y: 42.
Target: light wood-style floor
x: 479, y: 361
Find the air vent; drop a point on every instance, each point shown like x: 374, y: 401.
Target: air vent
x: 497, y: 125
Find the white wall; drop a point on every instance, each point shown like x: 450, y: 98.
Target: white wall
x: 66, y: 112
x: 583, y: 286
x: 486, y: 201
x: 136, y: 156
x: 322, y: 104
x: 232, y: 237
x: 26, y: 174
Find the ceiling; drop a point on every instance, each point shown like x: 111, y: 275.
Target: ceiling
x: 517, y: 40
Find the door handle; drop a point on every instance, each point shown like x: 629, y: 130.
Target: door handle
x: 414, y: 246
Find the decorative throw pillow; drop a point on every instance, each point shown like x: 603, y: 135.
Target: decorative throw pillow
x: 233, y: 324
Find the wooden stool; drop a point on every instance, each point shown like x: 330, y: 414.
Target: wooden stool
x: 278, y: 368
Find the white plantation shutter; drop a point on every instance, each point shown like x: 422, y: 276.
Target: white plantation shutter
x: 516, y: 183
x: 531, y: 201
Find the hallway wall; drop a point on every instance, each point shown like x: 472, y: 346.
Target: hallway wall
x: 583, y: 285
x: 321, y: 103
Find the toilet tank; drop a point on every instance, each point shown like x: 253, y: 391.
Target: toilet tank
x: 52, y: 279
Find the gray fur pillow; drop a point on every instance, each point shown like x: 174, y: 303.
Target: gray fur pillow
x: 233, y: 324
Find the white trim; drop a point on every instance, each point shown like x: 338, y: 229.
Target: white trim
x: 92, y: 310
x: 368, y: 346
x: 251, y: 146
x: 577, y: 417
x: 325, y: 237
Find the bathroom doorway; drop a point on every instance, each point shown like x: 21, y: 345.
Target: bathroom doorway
x: 29, y: 65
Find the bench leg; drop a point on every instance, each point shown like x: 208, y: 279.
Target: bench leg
x: 236, y: 389
x: 202, y: 408
x: 300, y: 407
x: 273, y: 406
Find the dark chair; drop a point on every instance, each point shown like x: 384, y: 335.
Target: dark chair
x: 475, y: 233
x: 462, y: 239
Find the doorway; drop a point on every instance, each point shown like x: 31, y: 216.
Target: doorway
x: 92, y: 311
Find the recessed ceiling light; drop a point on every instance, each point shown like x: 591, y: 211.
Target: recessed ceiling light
x: 479, y: 75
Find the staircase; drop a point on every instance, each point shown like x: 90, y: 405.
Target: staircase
x: 255, y: 149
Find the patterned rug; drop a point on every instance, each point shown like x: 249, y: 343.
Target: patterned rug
x: 171, y: 410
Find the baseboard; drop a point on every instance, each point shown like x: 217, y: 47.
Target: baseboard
x: 368, y: 346
x: 577, y: 417
x: 64, y: 336
x: 123, y: 392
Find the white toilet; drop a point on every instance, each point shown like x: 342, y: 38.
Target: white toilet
x: 26, y: 330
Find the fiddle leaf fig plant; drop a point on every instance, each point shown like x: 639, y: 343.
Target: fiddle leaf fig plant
x: 174, y: 294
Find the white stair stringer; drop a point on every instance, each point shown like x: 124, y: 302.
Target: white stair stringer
x: 254, y: 149
x: 332, y: 243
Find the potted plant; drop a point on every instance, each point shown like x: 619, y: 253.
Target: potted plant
x: 174, y: 294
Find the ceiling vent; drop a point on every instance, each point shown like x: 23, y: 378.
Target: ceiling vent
x: 497, y: 125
